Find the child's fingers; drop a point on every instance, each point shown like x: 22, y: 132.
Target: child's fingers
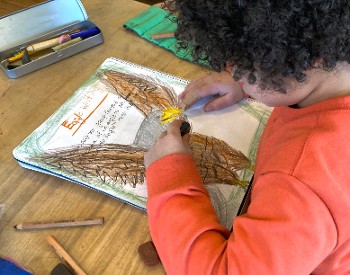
x: 201, y: 87
x: 195, y: 92
x: 174, y: 127
x: 222, y: 102
x: 216, y: 83
x: 191, y: 97
x: 186, y: 138
x: 162, y: 134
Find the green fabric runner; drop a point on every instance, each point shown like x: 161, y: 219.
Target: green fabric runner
x: 156, y: 20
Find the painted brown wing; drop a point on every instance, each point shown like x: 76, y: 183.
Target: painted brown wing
x: 123, y: 164
x: 143, y: 94
x: 111, y: 163
x: 217, y: 161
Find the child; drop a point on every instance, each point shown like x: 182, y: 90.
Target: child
x: 292, y: 55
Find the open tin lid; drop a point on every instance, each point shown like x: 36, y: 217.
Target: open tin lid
x: 29, y: 24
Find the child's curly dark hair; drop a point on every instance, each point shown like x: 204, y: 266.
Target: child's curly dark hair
x: 279, y: 39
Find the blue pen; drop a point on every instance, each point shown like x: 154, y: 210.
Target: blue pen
x: 85, y: 33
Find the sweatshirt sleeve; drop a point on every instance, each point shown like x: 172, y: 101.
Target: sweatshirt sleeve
x: 287, y: 226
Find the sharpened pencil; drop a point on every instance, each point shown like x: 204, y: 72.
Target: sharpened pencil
x: 58, y: 224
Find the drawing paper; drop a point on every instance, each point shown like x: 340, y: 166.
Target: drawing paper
x: 98, y: 136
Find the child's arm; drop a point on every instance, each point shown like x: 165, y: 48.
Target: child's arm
x: 170, y: 142
x: 227, y: 90
x: 287, y: 229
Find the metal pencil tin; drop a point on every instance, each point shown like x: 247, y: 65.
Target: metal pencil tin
x: 42, y: 22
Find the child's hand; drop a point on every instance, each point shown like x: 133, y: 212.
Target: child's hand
x: 222, y: 84
x: 169, y: 142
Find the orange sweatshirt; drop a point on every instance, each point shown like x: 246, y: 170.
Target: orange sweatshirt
x: 298, y: 221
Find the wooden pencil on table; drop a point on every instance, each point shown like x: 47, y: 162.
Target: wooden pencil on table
x: 163, y: 35
x: 58, y: 224
x: 63, y: 254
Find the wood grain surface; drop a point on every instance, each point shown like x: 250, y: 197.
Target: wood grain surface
x: 32, y: 196
x: 9, y: 6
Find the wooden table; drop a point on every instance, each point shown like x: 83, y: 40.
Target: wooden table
x: 32, y: 196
